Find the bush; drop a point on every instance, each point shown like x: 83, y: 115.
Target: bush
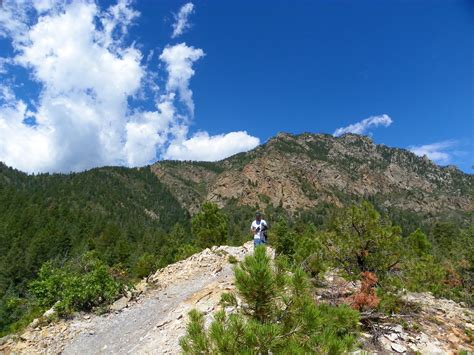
x: 310, y: 253
x: 75, y: 286
x: 284, y: 239
x: 366, y: 298
x: 425, y: 274
x: 360, y: 240
x: 185, y: 251
x: 278, y: 316
x: 417, y: 244
x: 146, y: 263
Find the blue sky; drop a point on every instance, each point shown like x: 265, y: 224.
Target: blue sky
x: 245, y: 71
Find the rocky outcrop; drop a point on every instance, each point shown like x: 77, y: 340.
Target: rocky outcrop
x: 302, y: 171
x: 425, y: 325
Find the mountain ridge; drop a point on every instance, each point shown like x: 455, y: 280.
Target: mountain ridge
x: 304, y: 170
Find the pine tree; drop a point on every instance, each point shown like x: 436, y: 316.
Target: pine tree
x: 278, y: 315
x: 361, y: 240
x: 209, y: 226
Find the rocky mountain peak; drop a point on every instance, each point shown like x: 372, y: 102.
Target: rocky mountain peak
x: 305, y: 170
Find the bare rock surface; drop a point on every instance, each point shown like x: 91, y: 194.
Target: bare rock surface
x: 307, y: 170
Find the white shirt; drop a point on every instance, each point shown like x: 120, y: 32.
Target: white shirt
x: 255, y: 225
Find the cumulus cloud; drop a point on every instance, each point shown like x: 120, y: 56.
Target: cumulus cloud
x: 211, y: 148
x: 179, y: 60
x: 363, y: 126
x: 78, y: 55
x: 181, y: 19
x: 439, y: 152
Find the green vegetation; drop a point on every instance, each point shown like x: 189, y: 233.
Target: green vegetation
x: 77, y: 239
x: 274, y: 308
x: 359, y: 239
x: 211, y: 166
x: 210, y: 226
x: 79, y: 285
x: 125, y: 216
x: 280, y: 316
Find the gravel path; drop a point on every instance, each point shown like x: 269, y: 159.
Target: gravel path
x: 151, y: 323
x: 130, y: 330
x: 145, y: 327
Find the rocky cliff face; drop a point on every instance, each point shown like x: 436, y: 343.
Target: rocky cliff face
x: 302, y: 171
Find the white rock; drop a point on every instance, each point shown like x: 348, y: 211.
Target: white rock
x: 431, y: 349
x: 399, y: 348
x: 398, y: 329
x: 50, y: 312
x: 120, y: 304
x: 391, y: 336
x: 34, y: 323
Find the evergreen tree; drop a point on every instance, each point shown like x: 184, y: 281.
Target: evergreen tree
x: 278, y: 316
x: 417, y: 244
x: 359, y: 240
x: 209, y: 226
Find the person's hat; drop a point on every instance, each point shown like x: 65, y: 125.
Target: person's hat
x: 258, y: 214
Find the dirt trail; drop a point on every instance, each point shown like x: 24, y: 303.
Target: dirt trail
x: 154, y: 322
x: 131, y: 329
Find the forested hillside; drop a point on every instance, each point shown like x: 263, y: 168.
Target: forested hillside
x: 126, y: 216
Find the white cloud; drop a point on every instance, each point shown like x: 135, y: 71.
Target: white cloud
x: 179, y: 60
x: 78, y: 55
x: 181, y: 19
x: 363, y: 126
x: 440, y: 152
x: 85, y: 78
x: 211, y: 148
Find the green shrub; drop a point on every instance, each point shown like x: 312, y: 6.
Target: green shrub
x: 146, y: 263
x: 75, y: 286
x: 16, y: 313
x: 360, y: 240
x: 425, y: 274
x: 390, y: 302
x: 284, y: 239
x: 310, y: 253
x: 279, y: 316
x: 185, y: 251
x: 417, y: 244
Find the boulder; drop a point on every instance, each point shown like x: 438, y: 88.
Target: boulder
x: 50, y: 312
x: 120, y: 304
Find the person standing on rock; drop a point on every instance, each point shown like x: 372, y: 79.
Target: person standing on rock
x: 259, y: 229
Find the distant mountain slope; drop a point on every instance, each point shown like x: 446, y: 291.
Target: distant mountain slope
x: 302, y: 171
